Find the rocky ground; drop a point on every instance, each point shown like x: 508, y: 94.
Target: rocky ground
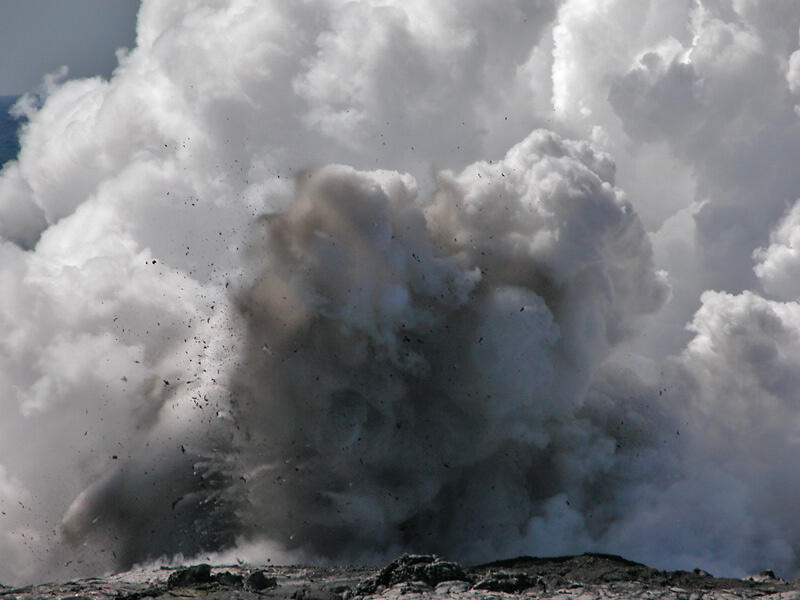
x: 411, y: 577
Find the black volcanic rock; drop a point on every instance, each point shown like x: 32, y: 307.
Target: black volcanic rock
x: 421, y: 577
x: 427, y: 568
x: 228, y: 579
x: 188, y: 576
x: 510, y: 583
x: 257, y: 580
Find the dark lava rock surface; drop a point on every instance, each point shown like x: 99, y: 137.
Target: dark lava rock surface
x: 411, y: 577
x: 425, y: 568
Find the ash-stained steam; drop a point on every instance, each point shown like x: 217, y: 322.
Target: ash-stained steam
x: 410, y: 363
x: 328, y: 281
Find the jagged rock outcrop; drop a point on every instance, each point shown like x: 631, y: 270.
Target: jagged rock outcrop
x: 425, y: 568
x: 422, y: 577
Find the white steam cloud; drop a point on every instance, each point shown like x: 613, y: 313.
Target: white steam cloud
x: 333, y: 280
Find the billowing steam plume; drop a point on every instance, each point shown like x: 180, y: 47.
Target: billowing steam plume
x: 333, y: 280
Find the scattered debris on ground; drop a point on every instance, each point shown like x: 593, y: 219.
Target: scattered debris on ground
x: 422, y: 577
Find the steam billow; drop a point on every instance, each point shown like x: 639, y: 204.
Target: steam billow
x: 410, y: 362
x: 328, y: 282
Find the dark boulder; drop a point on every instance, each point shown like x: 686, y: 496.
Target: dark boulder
x: 228, y: 579
x: 427, y: 568
x: 257, y: 580
x: 188, y: 576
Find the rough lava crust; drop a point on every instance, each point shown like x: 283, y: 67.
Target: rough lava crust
x: 422, y: 577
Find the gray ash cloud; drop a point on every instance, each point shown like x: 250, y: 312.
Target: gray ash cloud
x: 329, y: 281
